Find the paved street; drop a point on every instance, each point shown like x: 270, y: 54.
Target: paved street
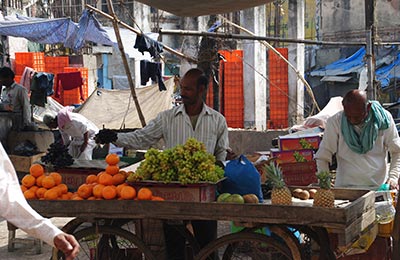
x: 25, y: 251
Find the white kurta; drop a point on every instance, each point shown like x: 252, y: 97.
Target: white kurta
x: 362, y: 170
x: 15, y: 208
x: 72, y: 134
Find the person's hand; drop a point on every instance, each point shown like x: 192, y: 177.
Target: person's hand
x: 393, y: 185
x: 230, y: 154
x: 67, y: 244
x: 105, y: 136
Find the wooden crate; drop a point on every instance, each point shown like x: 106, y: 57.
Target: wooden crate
x: 23, y: 163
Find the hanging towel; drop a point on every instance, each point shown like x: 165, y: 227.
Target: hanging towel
x: 144, y: 43
x: 151, y: 70
x: 27, y: 77
x: 68, y: 81
x: 376, y: 120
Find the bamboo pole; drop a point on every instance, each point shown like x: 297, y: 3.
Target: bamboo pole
x: 259, y: 38
x: 269, y: 46
x: 169, y: 49
x: 125, y: 61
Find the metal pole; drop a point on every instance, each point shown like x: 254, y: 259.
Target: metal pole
x: 125, y: 61
x: 370, y: 37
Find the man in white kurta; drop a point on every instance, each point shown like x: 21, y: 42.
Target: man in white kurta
x: 17, y: 211
x: 77, y: 132
x: 367, y: 169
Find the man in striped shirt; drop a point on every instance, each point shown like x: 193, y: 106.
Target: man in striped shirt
x: 193, y: 119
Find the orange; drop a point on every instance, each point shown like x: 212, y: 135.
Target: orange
x: 85, y: 191
x: 112, y: 159
x: 65, y: 197
x: 48, y: 182
x: 118, y: 179
x: 34, y: 188
x: 144, y: 194
x: 39, y: 180
x: 57, y: 177
x: 91, y: 179
x: 40, y: 192
x: 36, y: 170
x: 109, y: 192
x: 119, y: 188
x: 23, y: 188
x: 128, y: 193
x: 105, y: 179
x: 28, y: 181
x: 77, y: 198
x: 112, y: 169
x: 51, y: 194
x: 29, y: 195
x: 63, y: 188
x: 97, y: 190
x: 125, y: 173
x: 157, y: 198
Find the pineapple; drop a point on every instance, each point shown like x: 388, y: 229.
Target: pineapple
x: 324, y: 196
x: 280, y: 194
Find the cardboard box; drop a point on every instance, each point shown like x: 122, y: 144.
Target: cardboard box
x: 299, y: 173
x: 199, y: 192
x: 23, y: 163
x: 289, y: 156
x: 299, y: 143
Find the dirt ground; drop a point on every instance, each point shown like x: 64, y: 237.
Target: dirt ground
x: 25, y: 250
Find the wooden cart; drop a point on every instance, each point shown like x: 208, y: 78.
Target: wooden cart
x: 110, y: 219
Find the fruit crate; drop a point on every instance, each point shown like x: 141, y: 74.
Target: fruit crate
x: 299, y: 173
x: 289, y: 156
x: 299, y: 143
x: 23, y: 163
x: 176, y: 191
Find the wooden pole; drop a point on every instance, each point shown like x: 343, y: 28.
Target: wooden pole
x: 169, y: 49
x: 125, y: 61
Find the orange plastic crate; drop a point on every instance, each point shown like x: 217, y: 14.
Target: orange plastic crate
x: 85, y: 76
x: 34, y: 60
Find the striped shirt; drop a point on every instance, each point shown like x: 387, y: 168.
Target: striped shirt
x: 17, y: 96
x: 175, y: 127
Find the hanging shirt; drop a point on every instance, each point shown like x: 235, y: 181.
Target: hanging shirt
x: 175, y: 127
x: 17, y: 96
x: 367, y: 170
x: 68, y: 81
x: 15, y: 209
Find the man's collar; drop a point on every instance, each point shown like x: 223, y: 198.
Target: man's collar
x: 204, y: 110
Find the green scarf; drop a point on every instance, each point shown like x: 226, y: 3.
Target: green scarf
x: 375, y: 121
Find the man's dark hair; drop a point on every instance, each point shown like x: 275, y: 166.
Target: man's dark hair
x: 201, y: 77
x: 6, y: 72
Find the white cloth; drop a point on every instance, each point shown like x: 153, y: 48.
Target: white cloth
x: 73, y: 136
x: 175, y: 127
x: 17, y: 96
x: 15, y: 208
x: 361, y: 170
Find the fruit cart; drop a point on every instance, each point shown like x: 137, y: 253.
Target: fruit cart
x: 109, y: 227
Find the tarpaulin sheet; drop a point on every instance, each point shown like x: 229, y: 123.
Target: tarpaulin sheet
x: 53, y: 31
x: 388, y: 73
x: 108, y: 107
x: 197, y: 8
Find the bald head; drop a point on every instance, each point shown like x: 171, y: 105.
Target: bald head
x: 356, y: 106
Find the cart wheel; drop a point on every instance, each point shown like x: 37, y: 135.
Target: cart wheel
x: 109, y: 243
x: 245, y: 245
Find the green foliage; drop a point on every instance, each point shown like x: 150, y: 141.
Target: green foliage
x: 324, y: 179
x: 274, y: 175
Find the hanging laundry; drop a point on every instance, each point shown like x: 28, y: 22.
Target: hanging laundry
x: 144, y: 43
x: 41, y: 88
x: 68, y: 81
x: 151, y: 70
x: 27, y: 77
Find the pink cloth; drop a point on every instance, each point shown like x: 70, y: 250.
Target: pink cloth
x: 27, y: 77
x: 64, y: 116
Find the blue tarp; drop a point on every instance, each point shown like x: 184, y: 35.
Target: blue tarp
x: 387, y: 65
x: 53, y: 31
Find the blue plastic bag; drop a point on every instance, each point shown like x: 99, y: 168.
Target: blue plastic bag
x: 242, y: 178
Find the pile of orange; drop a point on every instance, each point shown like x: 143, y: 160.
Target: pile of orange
x: 39, y: 185
x: 111, y: 184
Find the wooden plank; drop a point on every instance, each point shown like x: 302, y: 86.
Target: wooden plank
x: 359, y: 206
x: 353, y: 232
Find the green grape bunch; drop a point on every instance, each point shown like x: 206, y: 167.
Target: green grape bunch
x: 298, y: 157
x: 187, y: 163
x: 304, y: 144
